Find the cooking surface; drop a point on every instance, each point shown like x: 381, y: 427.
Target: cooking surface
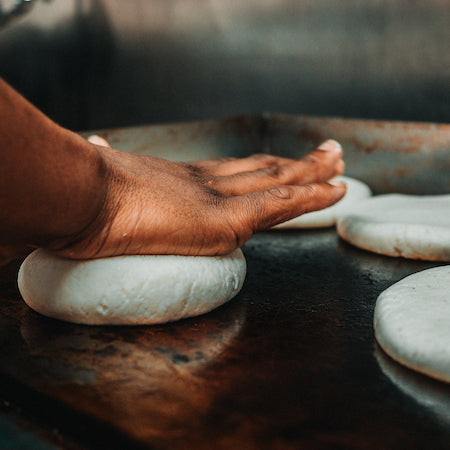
x: 291, y: 362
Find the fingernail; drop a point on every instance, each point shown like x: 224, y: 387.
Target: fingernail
x: 337, y: 183
x: 94, y: 139
x: 330, y: 145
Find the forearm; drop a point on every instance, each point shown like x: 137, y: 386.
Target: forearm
x: 51, y: 180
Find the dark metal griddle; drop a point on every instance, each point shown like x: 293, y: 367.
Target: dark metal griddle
x: 290, y: 363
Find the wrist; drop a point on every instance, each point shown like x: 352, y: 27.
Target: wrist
x: 52, y: 182
x: 84, y: 193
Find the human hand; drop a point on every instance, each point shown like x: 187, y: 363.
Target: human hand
x: 154, y: 206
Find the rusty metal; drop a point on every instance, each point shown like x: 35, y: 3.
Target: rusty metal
x: 405, y: 157
x: 290, y: 363
x: 206, y: 139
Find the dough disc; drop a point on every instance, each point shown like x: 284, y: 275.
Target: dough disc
x: 356, y: 190
x: 134, y: 290
x: 412, y: 226
x: 411, y: 322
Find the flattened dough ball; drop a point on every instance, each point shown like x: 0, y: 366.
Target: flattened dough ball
x: 411, y: 226
x: 356, y: 190
x: 130, y: 290
x: 412, y: 322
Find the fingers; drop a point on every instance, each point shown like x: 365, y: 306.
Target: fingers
x: 260, y: 210
x: 97, y: 140
x: 319, y: 166
x: 230, y: 166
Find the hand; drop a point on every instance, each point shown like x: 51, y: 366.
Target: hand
x: 154, y: 206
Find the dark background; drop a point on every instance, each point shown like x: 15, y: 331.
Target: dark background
x: 108, y: 63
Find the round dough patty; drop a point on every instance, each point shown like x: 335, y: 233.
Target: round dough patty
x: 411, y: 226
x: 134, y: 290
x: 412, y: 322
x: 356, y: 190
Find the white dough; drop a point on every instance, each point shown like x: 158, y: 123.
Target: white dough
x: 356, y: 190
x: 411, y: 226
x: 133, y: 290
x: 412, y: 322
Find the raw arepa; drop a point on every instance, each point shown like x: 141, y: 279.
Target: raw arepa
x: 129, y: 290
x: 411, y: 226
x: 356, y: 190
x: 412, y: 322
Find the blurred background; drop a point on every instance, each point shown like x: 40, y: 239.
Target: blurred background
x: 110, y: 63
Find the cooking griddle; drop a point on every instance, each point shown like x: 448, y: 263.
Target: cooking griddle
x: 290, y: 363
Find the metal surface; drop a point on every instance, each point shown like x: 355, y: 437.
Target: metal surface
x: 12, y: 9
x: 408, y: 157
x: 111, y: 63
x: 290, y: 363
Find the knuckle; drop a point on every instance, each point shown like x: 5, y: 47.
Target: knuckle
x: 278, y: 173
x: 310, y: 190
x: 209, y: 182
x: 312, y: 158
x: 192, y: 168
x: 225, y: 159
x: 264, y: 157
x: 280, y: 192
x: 321, y: 165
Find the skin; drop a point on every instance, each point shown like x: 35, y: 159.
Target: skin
x: 83, y: 199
